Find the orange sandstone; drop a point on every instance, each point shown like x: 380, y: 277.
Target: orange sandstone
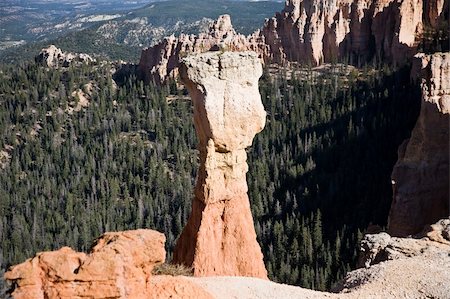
x: 219, y: 238
x: 119, y: 265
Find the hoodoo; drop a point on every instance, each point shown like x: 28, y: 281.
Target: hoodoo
x: 219, y: 238
x: 313, y: 32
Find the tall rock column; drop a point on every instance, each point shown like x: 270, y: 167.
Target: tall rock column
x: 421, y: 175
x: 219, y: 238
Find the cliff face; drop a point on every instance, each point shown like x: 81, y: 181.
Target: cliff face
x: 421, y: 175
x: 317, y: 31
x: 313, y: 31
x: 219, y: 238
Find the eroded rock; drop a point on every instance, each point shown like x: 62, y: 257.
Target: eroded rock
x: 54, y: 57
x: 421, y: 174
x: 219, y: 238
x: 313, y: 31
x: 119, y: 265
x: 162, y: 60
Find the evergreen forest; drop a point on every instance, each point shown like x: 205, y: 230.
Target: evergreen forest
x: 319, y: 173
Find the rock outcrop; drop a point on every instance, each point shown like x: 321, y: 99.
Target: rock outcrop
x: 421, y: 175
x: 392, y: 268
x: 316, y: 31
x: 313, y: 31
x: 402, y: 267
x: 161, y: 61
x: 382, y: 247
x: 54, y: 57
x: 219, y: 238
x: 119, y: 265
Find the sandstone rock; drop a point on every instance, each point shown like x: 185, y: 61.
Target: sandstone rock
x: 312, y: 31
x: 421, y: 174
x: 376, y: 248
x: 164, y: 286
x: 49, y: 56
x: 382, y: 247
x: 119, y: 265
x: 401, y: 267
x: 219, y: 238
x: 161, y: 61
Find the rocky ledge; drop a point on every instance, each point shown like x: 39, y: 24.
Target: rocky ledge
x: 120, y: 265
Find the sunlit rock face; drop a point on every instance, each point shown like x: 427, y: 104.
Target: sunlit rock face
x: 119, y: 265
x: 219, y: 238
x: 312, y: 32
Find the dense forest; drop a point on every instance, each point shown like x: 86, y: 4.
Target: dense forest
x: 319, y: 172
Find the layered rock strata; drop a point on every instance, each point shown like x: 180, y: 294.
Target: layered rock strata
x: 313, y: 31
x: 219, y: 238
x: 317, y: 31
x: 421, y: 175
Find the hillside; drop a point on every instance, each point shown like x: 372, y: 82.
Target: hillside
x: 29, y: 21
x: 351, y: 140
x: 128, y: 160
x: 128, y: 32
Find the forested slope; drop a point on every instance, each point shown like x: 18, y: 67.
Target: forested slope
x: 319, y: 172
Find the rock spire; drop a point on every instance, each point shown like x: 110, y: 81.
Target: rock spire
x: 219, y: 238
x: 313, y: 32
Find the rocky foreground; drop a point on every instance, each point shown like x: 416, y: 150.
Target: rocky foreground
x: 120, y: 266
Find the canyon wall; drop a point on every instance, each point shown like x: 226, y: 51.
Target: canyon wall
x: 421, y: 175
x: 317, y: 31
x: 219, y: 237
x: 312, y: 31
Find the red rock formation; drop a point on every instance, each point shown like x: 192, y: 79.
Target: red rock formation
x: 219, y: 238
x: 312, y: 31
x: 421, y: 176
x: 119, y: 265
x: 315, y: 31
